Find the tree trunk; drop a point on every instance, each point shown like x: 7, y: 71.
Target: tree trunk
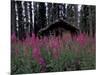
x: 31, y: 20
x: 13, y: 17
x: 20, y: 20
x: 90, y: 22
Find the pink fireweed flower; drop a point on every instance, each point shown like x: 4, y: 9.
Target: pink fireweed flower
x: 54, y: 43
x: 66, y: 37
x: 55, y: 46
x: 41, y: 61
x: 45, y: 40
x: 36, y: 54
x: 26, y: 50
x: 32, y: 41
x: 13, y: 38
x: 81, y: 39
x: 55, y: 53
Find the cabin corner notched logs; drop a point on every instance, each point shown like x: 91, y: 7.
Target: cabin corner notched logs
x: 58, y: 28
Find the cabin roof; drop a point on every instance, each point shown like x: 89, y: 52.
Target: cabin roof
x: 61, y: 23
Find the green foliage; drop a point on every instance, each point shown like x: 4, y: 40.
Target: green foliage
x: 46, y: 55
x: 36, y: 68
x: 87, y: 61
x: 22, y: 64
x: 67, y: 61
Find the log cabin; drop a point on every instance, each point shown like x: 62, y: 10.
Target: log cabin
x: 58, y: 28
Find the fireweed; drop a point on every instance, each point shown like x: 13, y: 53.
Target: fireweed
x: 54, y: 45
